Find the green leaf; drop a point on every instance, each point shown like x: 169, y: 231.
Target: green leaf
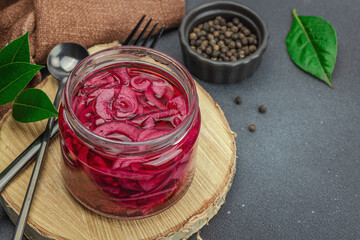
x: 312, y: 45
x: 16, y: 51
x: 13, y: 79
x: 33, y: 105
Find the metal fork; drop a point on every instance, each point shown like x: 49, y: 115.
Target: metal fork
x: 129, y: 39
x: 28, y: 154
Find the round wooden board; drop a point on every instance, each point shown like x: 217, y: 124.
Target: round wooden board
x: 55, y: 214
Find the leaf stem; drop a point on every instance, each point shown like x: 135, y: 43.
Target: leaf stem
x: 294, y: 12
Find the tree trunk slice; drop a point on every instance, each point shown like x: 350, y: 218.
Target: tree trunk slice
x: 55, y: 214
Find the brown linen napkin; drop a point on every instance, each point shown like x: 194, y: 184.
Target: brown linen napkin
x: 87, y: 22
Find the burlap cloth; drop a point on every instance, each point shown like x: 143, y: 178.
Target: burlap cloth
x: 87, y: 22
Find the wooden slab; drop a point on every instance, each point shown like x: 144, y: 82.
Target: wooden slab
x: 55, y: 214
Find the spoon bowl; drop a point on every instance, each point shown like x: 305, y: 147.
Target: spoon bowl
x: 64, y: 57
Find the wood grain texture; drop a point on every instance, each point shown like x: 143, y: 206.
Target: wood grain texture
x: 55, y: 214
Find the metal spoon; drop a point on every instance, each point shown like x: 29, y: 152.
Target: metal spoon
x: 61, y: 61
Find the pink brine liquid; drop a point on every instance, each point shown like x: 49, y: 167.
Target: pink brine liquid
x: 128, y: 103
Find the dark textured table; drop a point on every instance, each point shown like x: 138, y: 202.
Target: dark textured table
x: 298, y: 175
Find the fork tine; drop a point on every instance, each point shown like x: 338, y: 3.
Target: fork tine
x: 134, y: 31
x: 142, y: 32
x: 149, y: 35
x: 153, y: 44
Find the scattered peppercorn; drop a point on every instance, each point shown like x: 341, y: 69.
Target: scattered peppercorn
x: 223, y: 40
x: 238, y: 100
x: 252, y: 128
x: 262, y: 108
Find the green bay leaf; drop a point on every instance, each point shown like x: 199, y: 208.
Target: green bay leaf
x: 33, y: 105
x: 312, y: 45
x: 13, y: 79
x: 16, y: 51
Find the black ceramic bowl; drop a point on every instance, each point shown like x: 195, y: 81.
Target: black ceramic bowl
x: 222, y: 72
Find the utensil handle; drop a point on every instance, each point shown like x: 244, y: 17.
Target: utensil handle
x: 21, y: 222
x: 24, y: 158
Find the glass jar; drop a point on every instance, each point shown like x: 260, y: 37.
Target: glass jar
x: 138, y: 179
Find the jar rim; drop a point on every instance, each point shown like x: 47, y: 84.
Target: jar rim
x: 191, y: 96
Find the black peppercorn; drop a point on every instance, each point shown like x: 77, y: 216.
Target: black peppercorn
x: 212, y: 42
x: 193, y: 36
x: 234, y: 29
x: 244, y: 41
x: 216, y: 47
x: 228, y: 34
x: 246, y: 50
x: 236, y: 20
x: 242, y: 54
x: 252, y: 128
x: 238, y: 100
x: 208, y: 50
x: 252, y: 48
x: 235, y: 36
x: 262, y: 108
x: 250, y: 40
x: 206, y: 26
x: 238, y: 44
x: 222, y: 22
x: 215, y: 53
x: 232, y: 44
x: 210, y: 36
x: 205, y: 43
x: 246, y: 32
